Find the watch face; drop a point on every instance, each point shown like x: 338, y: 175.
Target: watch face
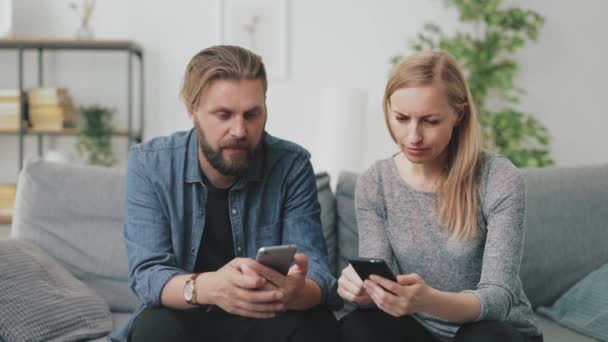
x: 188, y: 289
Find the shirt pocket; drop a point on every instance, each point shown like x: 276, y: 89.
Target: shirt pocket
x: 269, y: 235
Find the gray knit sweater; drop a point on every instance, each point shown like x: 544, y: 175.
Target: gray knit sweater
x: 399, y: 224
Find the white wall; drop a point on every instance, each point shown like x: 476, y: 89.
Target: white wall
x: 344, y: 43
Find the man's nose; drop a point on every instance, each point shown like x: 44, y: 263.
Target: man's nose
x: 238, y: 129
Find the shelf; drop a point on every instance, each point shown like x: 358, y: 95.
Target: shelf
x: 65, y: 131
x: 70, y: 44
x: 6, y: 219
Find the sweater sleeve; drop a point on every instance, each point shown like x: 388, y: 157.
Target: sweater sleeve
x: 371, y: 218
x: 505, y: 204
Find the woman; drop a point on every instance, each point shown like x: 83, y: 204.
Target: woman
x: 448, y: 217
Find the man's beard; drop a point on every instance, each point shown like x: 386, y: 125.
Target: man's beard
x: 226, y: 167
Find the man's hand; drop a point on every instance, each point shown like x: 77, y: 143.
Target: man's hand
x: 239, y: 293
x: 298, y: 292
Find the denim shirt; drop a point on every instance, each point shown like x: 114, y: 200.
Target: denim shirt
x: 274, y: 203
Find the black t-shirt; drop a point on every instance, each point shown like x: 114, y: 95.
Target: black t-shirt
x: 217, y: 245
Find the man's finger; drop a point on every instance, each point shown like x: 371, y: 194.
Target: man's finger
x: 261, y: 296
x: 268, y: 273
x: 245, y: 281
x: 261, y: 307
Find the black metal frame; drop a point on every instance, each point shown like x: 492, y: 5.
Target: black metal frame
x: 130, y: 47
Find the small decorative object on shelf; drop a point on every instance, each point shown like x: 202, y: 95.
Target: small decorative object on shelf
x: 86, y: 7
x: 94, y: 139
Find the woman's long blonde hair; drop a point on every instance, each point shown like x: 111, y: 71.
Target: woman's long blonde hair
x: 457, y: 200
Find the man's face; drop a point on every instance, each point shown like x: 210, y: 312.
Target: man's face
x: 229, y: 123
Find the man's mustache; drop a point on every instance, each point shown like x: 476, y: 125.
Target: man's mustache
x: 235, y: 144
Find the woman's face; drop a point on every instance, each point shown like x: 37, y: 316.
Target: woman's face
x: 422, y: 121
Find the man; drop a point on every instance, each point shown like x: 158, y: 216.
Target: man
x: 199, y: 204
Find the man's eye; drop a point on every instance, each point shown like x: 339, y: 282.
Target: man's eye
x: 251, y: 115
x: 223, y: 115
x: 402, y: 118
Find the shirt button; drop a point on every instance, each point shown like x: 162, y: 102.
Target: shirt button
x: 192, y: 250
x: 234, y: 212
x: 239, y: 249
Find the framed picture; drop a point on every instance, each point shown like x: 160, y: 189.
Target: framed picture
x: 260, y: 26
x: 6, y: 18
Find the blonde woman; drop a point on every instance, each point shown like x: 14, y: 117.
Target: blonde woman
x: 446, y: 216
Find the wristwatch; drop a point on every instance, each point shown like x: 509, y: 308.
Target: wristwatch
x: 190, y: 289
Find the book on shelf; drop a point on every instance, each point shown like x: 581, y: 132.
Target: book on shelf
x: 7, y: 199
x: 9, y: 95
x: 48, y: 126
x: 47, y: 92
x: 50, y: 108
x: 10, y: 108
x: 9, y: 122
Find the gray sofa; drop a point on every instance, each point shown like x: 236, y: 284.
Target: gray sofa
x: 75, y: 214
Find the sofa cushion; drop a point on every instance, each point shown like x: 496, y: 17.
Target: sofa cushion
x: 584, y: 307
x: 348, y: 233
x: 75, y: 213
x: 553, y: 332
x: 41, y: 301
x: 328, y: 217
x: 566, y: 228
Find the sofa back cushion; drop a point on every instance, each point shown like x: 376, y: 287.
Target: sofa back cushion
x: 328, y: 217
x: 346, y: 224
x: 566, y: 228
x: 75, y: 213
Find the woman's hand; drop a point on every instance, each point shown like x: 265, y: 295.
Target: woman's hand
x: 410, y: 294
x: 350, y: 287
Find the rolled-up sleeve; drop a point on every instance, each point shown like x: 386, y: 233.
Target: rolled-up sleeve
x: 302, y: 226
x: 147, y: 234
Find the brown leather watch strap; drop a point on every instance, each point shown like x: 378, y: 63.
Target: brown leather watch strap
x: 192, y: 281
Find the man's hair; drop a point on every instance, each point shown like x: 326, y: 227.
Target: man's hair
x: 218, y: 63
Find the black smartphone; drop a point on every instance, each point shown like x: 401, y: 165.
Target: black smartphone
x: 368, y: 266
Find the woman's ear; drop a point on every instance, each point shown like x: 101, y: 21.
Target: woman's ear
x: 461, y: 112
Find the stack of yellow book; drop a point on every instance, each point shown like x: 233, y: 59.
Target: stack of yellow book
x: 10, y: 109
x: 7, y: 199
x: 50, y: 108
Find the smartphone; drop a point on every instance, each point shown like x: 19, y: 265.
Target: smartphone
x: 368, y: 266
x: 279, y: 258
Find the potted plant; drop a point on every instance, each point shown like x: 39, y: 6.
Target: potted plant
x: 95, y: 135
x: 485, y: 53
